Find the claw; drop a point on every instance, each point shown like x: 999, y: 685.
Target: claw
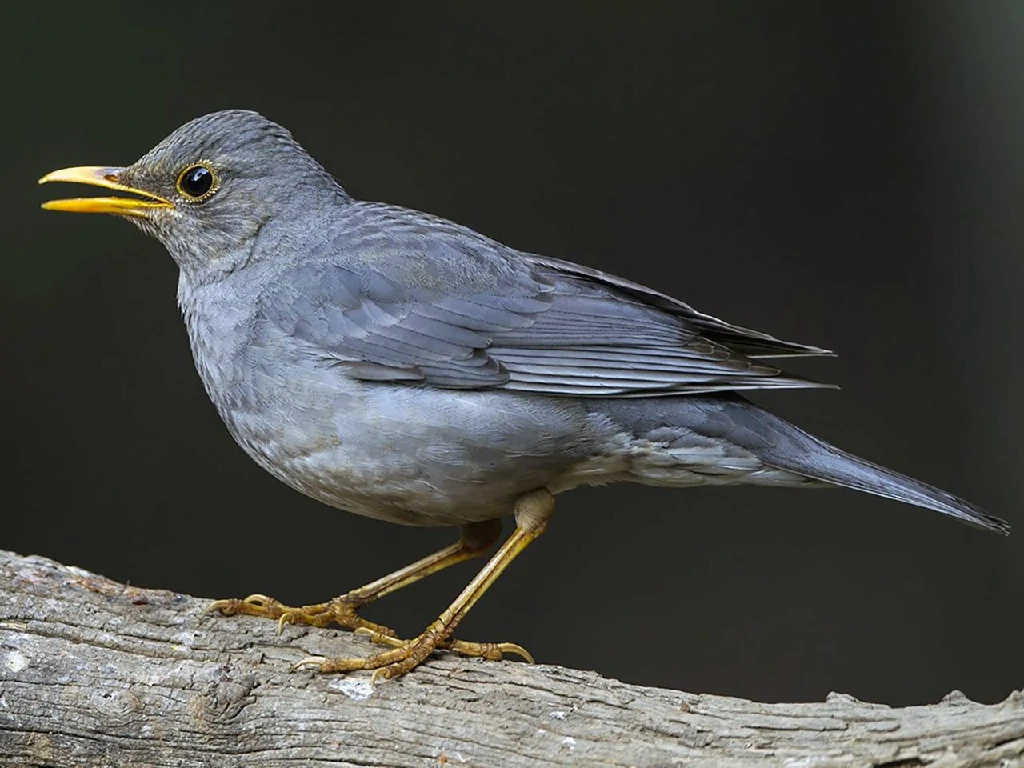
x: 228, y: 607
x: 253, y: 604
x: 518, y: 650
x: 309, y: 661
x: 286, y: 618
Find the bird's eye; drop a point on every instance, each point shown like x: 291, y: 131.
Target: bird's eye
x: 197, y: 182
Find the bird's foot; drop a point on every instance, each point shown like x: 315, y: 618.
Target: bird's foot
x: 406, y: 655
x: 486, y: 651
x: 340, y: 611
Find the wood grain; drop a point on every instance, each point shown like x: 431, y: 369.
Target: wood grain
x: 96, y: 673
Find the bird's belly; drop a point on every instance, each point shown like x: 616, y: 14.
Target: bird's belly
x: 410, y: 455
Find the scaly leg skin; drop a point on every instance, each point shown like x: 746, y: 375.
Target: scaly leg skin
x: 532, y: 512
x: 485, y: 651
x: 476, y: 539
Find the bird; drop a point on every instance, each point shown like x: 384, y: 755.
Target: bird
x: 397, y: 365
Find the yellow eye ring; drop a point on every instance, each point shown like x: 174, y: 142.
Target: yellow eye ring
x: 197, y: 182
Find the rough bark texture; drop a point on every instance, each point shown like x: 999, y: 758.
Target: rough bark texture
x: 96, y: 673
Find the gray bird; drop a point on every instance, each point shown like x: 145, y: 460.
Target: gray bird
x: 400, y: 366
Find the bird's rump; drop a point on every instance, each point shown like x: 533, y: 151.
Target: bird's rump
x: 550, y: 330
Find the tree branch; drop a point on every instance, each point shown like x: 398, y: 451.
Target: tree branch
x: 96, y: 673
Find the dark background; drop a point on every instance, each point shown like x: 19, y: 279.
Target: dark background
x: 843, y: 174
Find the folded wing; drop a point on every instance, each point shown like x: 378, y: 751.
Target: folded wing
x: 463, y: 312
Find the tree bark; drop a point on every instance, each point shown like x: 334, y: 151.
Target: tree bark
x: 96, y: 673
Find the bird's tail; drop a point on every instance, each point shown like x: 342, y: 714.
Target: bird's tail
x: 835, y: 466
x: 781, y: 445
x: 819, y: 460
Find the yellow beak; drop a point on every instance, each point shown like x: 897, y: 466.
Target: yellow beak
x: 109, y: 178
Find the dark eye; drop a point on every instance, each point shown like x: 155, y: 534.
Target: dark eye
x: 197, y: 182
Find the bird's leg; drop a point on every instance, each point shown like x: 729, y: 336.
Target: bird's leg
x: 476, y: 539
x: 532, y: 512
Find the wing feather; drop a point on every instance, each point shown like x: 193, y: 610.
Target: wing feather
x: 539, y: 325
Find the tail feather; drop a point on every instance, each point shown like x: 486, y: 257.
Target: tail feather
x: 792, y: 449
x: 849, y: 471
x: 780, y: 445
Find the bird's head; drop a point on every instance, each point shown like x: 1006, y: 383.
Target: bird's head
x: 208, y: 189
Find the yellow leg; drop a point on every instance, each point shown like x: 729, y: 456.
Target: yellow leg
x: 476, y: 539
x: 532, y: 512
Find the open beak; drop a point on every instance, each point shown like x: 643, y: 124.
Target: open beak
x: 109, y: 178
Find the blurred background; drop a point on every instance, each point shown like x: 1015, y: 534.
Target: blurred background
x: 836, y: 173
